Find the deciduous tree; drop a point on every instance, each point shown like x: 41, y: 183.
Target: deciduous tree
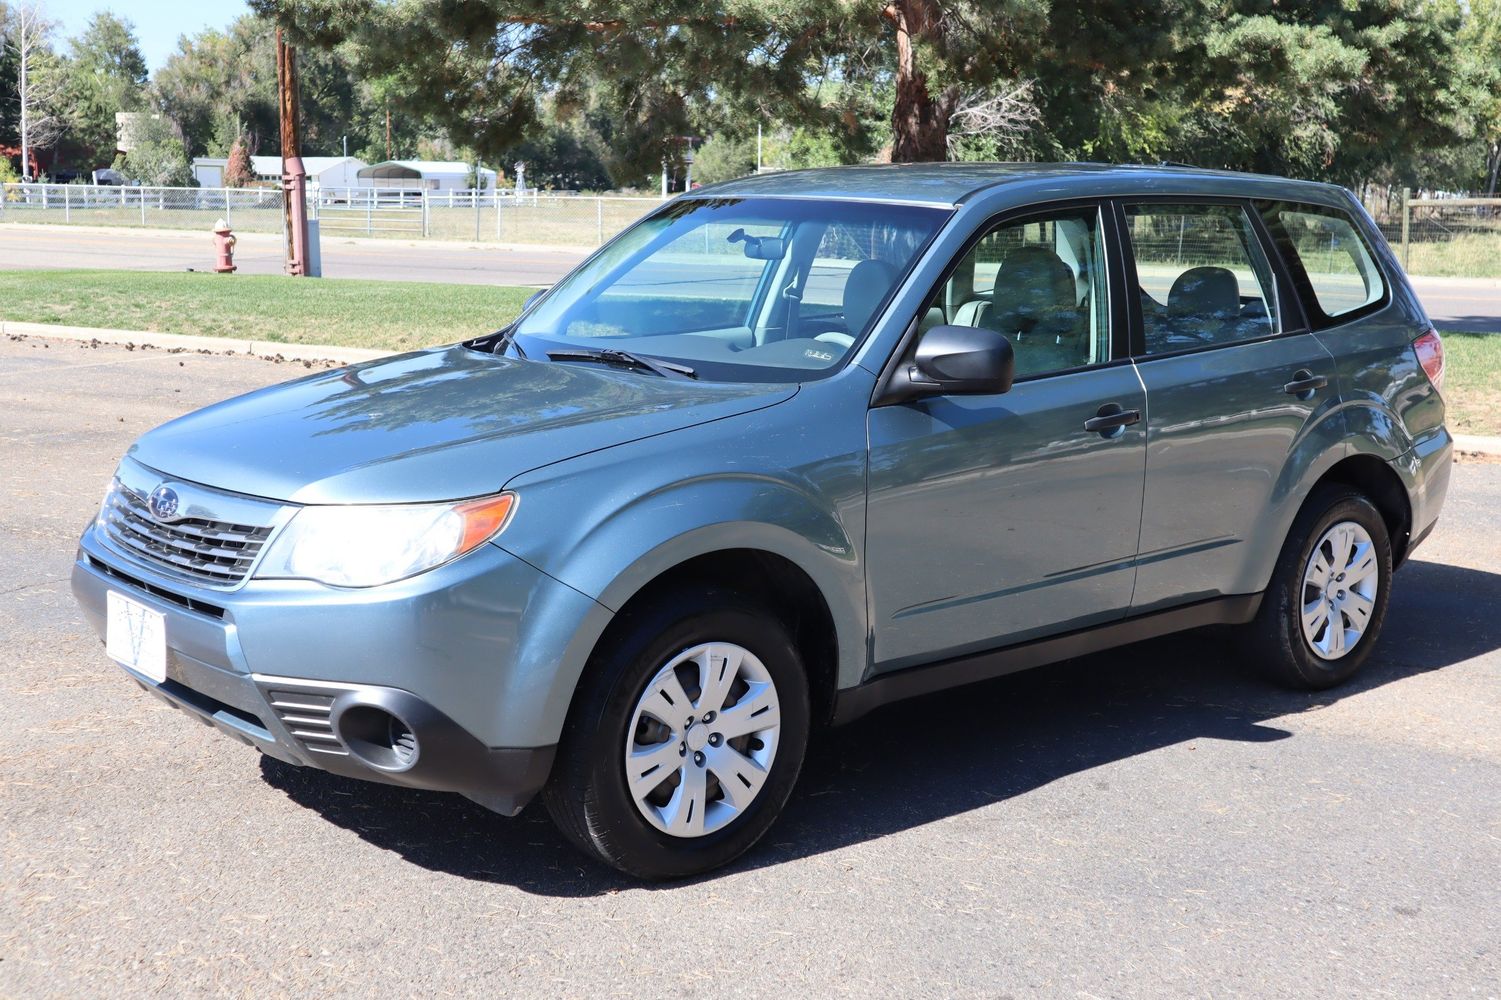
x: 38, y: 82
x: 156, y: 156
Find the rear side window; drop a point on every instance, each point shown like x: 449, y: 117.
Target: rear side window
x: 1341, y: 270
x: 1204, y: 279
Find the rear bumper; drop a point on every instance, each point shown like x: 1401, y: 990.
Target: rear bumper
x: 325, y: 701
x: 1425, y: 471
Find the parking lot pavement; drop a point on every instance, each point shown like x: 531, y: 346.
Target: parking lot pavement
x: 1145, y: 823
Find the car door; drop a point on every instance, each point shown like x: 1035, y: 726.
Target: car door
x: 1233, y: 378
x: 995, y: 519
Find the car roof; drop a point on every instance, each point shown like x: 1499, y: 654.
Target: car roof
x: 950, y: 184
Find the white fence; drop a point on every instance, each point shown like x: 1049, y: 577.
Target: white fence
x: 558, y: 218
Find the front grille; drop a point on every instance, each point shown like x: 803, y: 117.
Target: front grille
x: 182, y: 601
x: 306, y: 716
x: 217, y: 553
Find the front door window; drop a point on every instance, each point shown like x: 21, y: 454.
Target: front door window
x: 1039, y: 281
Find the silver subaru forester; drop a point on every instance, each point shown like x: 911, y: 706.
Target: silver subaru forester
x: 788, y: 449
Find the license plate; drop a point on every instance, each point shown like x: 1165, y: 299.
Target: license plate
x: 136, y: 636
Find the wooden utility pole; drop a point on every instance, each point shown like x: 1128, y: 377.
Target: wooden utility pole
x: 294, y: 191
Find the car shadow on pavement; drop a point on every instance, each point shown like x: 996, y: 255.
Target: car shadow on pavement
x: 945, y: 754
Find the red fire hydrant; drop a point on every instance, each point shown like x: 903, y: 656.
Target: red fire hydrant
x: 224, y: 242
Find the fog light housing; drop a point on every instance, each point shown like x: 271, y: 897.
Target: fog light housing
x: 378, y: 738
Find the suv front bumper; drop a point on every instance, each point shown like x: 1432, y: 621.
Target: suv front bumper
x: 402, y: 688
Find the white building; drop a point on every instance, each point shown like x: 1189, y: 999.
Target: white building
x: 322, y: 171
x: 429, y: 175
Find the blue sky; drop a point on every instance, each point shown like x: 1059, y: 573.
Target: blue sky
x: 158, y: 23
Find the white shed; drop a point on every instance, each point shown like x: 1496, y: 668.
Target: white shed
x: 323, y: 171
x: 208, y: 171
x: 429, y: 175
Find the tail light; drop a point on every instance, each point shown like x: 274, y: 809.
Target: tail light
x: 1430, y: 351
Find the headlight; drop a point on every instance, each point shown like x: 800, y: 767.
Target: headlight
x: 358, y: 546
x: 109, y: 496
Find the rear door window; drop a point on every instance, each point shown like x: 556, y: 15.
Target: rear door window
x: 1204, y: 278
x: 1342, y: 272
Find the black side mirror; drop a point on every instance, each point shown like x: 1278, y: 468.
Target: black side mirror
x: 955, y: 361
x: 532, y: 298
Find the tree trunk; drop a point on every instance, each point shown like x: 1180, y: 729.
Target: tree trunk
x: 25, y: 52
x: 919, y: 121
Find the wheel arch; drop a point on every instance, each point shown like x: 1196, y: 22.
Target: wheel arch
x: 1374, y: 479
x: 771, y: 581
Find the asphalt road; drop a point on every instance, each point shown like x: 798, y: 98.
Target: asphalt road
x: 1147, y: 823
x: 32, y: 246
x: 1452, y: 303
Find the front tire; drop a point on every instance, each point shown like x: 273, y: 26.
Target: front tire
x: 1323, y: 611
x: 686, y: 736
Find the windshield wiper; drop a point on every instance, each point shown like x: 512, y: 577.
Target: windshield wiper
x: 508, y: 339
x: 623, y: 359
x: 497, y: 342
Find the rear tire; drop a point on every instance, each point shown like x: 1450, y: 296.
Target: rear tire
x: 712, y: 778
x: 1323, y: 610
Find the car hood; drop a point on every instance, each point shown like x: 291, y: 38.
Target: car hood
x: 434, y: 425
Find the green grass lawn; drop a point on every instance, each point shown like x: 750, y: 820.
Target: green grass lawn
x: 400, y: 315
x: 395, y: 315
x: 1466, y: 255
x: 1472, y: 382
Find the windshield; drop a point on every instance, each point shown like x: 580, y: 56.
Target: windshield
x: 738, y: 289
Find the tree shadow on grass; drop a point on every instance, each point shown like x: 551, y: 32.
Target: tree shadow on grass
x: 945, y: 754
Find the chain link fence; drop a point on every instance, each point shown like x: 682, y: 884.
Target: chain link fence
x: 248, y: 209
x: 1437, y: 236
x: 535, y: 217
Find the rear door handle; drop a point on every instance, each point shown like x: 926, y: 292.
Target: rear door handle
x: 1304, y: 384
x: 1111, y: 420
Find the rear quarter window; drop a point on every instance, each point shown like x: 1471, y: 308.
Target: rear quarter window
x: 1343, y: 278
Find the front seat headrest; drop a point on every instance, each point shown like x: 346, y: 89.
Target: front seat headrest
x: 1034, y: 289
x: 864, y: 289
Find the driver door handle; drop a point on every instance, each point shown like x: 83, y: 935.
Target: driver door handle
x: 1111, y: 420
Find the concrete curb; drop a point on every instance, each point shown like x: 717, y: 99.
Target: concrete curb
x: 185, y: 342
x: 1476, y: 444
x: 1445, y: 281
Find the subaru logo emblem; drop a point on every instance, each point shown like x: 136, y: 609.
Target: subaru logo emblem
x: 163, y: 503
